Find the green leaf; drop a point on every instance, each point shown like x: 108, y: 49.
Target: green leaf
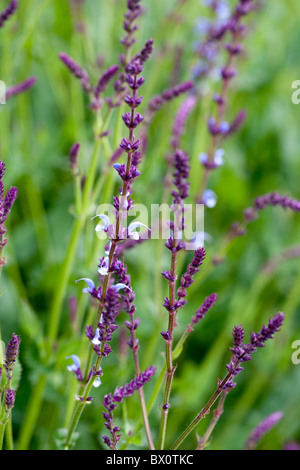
x: 30, y: 323
x: 17, y: 373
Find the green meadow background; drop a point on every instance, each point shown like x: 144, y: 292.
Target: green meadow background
x: 36, y: 132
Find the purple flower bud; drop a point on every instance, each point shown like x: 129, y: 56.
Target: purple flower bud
x: 73, y: 156
x: 8, y: 12
x: 20, y: 88
x: 265, y: 426
x: 104, y: 80
x: 10, y: 398
x: 11, y: 355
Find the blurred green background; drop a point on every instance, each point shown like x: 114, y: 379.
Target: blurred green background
x: 37, y: 131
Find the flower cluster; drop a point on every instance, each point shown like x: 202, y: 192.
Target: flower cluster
x: 11, y: 355
x: 111, y: 402
x: 243, y: 352
x: 265, y: 426
x: 7, y: 393
x: 215, y: 35
x: 8, y: 12
x: 6, y: 203
x: 202, y: 310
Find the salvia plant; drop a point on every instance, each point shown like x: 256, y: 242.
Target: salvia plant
x: 122, y: 331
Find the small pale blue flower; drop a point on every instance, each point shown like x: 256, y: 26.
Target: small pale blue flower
x: 90, y: 283
x: 105, y: 220
x: 219, y: 157
x: 132, y: 230
x: 76, y: 363
x: 209, y: 198
x: 104, y: 268
x: 120, y: 286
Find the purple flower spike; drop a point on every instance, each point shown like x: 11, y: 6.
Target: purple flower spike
x: 8, y: 12
x: 10, y: 399
x: 243, y: 352
x: 111, y: 402
x: 201, y: 312
x: 265, y: 426
x: 76, y: 70
x: 20, y: 88
x: 11, y: 355
x: 104, y: 80
x: 73, y: 156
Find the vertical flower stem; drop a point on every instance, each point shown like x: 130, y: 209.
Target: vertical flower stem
x: 141, y: 394
x: 80, y: 404
x: 9, y: 435
x: 170, y: 369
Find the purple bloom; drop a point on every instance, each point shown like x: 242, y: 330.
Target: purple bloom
x: 6, y: 203
x: 111, y: 402
x: 77, y: 71
x: 193, y: 268
x: 243, y: 352
x: 10, y: 398
x: 181, y: 119
x: 20, y: 88
x: 104, y: 80
x: 205, y: 307
x: 181, y: 175
x: 11, y: 355
x: 8, y: 12
x: 73, y: 156
x: 134, y: 10
x: 158, y: 101
x: 265, y: 426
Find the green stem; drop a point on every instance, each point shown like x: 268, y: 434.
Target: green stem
x: 9, y: 435
x: 203, y: 413
x: 170, y: 370
x: 32, y: 413
x: 2, y: 429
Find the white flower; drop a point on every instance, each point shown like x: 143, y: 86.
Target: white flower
x: 132, y: 230
x: 105, y: 220
x: 95, y: 340
x: 120, y: 286
x: 90, y: 283
x: 103, y: 270
x: 76, y: 363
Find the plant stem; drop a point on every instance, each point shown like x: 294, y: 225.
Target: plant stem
x: 203, y: 413
x: 217, y: 413
x: 170, y: 370
x: 9, y: 435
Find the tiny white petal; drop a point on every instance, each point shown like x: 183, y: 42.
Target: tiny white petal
x: 76, y: 364
x: 105, y: 219
x: 103, y: 270
x: 95, y: 340
x: 132, y: 229
x: 89, y: 282
x: 120, y: 286
x: 97, y: 382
